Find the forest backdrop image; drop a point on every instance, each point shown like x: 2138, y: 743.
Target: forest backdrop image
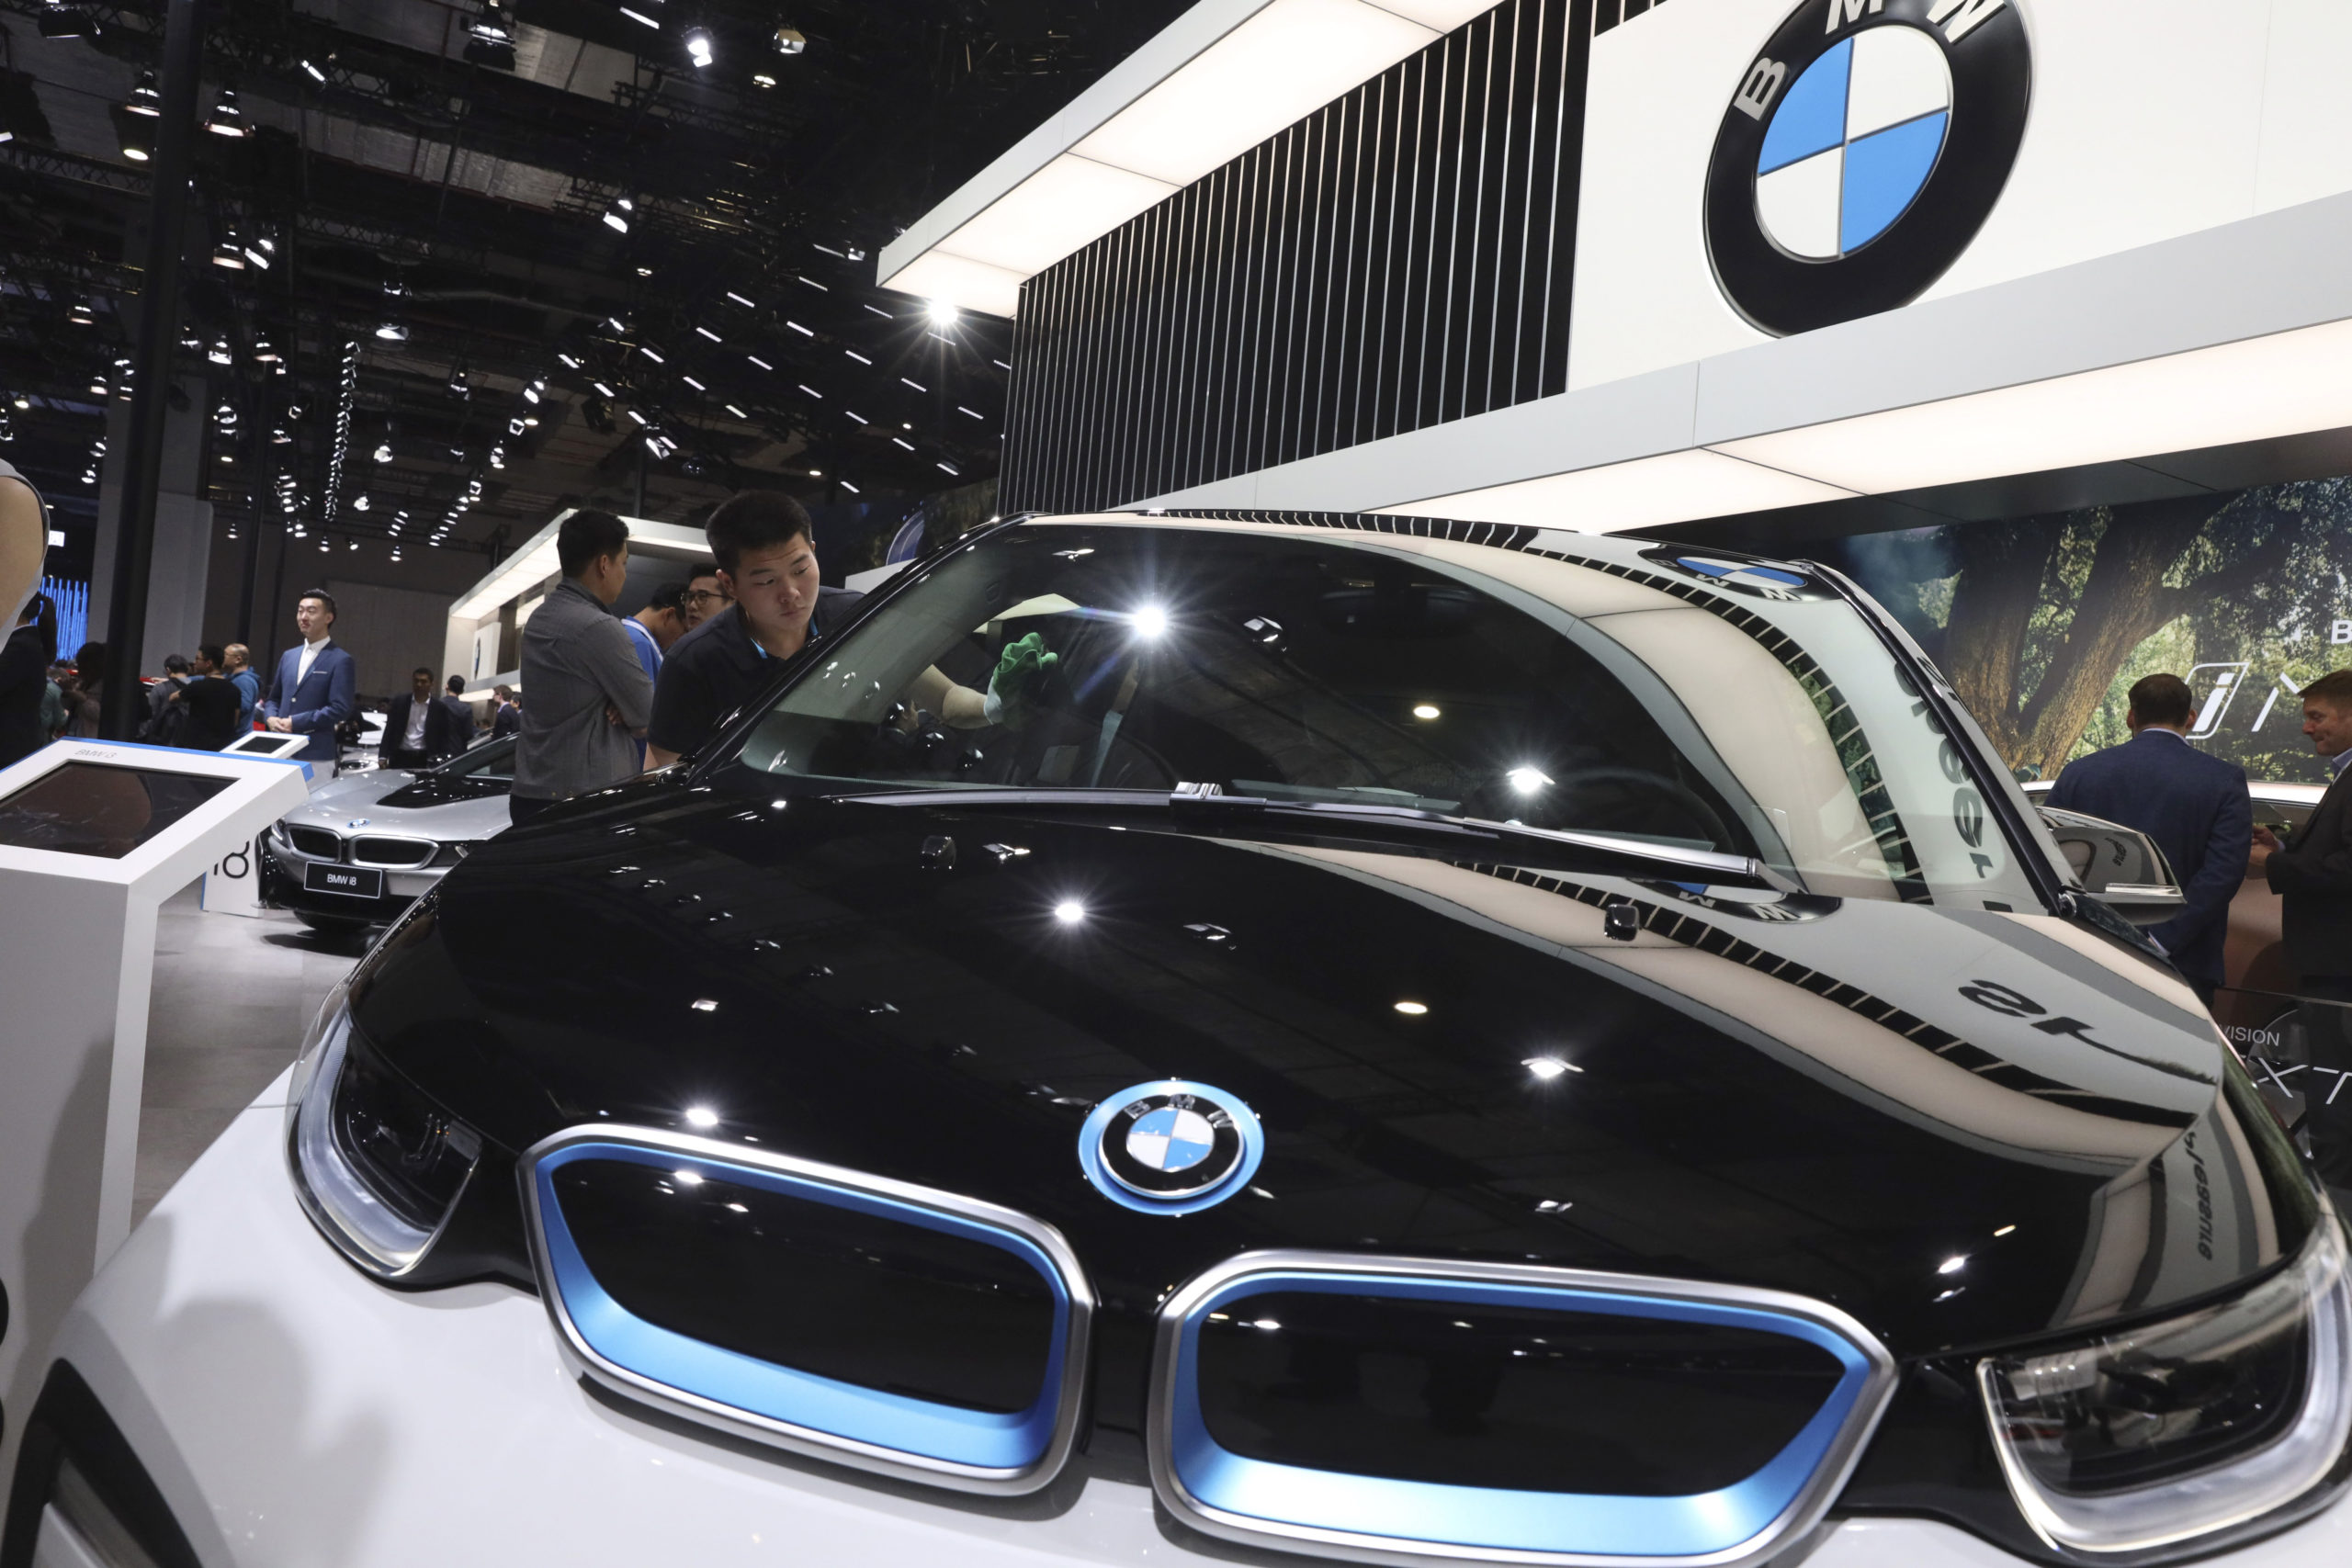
x: 2042, y: 624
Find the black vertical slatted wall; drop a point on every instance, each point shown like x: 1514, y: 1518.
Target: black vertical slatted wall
x: 1400, y: 258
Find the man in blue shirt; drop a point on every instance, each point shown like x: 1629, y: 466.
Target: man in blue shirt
x: 240, y: 670
x: 652, y: 631
x: 317, y: 685
x: 2194, y: 806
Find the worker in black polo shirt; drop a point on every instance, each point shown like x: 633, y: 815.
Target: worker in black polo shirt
x: 767, y: 560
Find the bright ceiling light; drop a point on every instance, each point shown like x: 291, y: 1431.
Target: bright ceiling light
x: 701, y: 1116
x: 1425, y: 710
x: 1069, y: 911
x: 145, y: 97
x: 699, y: 47
x: 942, y: 312
x: 227, y: 118
x: 1151, y: 621
x: 1412, y: 1010
x: 1527, y: 781
x: 1544, y: 1069
x: 789, y: 40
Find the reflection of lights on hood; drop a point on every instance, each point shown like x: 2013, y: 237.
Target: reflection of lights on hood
x: 686, y: 1177
x: 1069, y: 911
x: 1527, y: 781
x: 1424, y: 710
x: 1412, y: 1010
x: 1546, y: 1069
x: 2005, y: 1230
x: 701, y: 1116
x: 706, y: 1004
x: 1149, y: 621
x: 1267, y: 1324
x: 1952, y: 1265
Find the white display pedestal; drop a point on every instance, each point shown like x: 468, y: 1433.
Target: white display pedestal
x: 232, y: 882
x: 94, y: 835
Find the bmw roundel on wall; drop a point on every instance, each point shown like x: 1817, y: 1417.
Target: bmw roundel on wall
x: 1860, y: 152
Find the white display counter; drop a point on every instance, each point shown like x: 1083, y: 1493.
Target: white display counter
x: 94, y: 835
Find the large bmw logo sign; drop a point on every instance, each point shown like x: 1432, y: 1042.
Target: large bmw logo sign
x: 1170, y: 1147
x: 1860, y: 152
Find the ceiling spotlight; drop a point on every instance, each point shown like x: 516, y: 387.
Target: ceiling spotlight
x: 569, y: 363
x: 941, y: 313
x: 99, y: 385
x: 131, y: 134
x: 218, y: 353
x: 383, y: 453
x: 229, y: 254
x: 146, y: 97
x: 60, y: 21
x: 790, y: 41
x: 22, y: 400
x: 315, y: 73
x: 460, y: 386
x: 227, y: 118
x: 762, y: 79
x: 392, y: 332
x: 263, y: 352
x: 531, y: 394
x: 79, y: 313
x: 617, y: 218
x: 698, y: 47
x: 278, y: 437
x: 360, y: 503
x: 641, y: 19
x: 490, y: 39
x: 261, y: 252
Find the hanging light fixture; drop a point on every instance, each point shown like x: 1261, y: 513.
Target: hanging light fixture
x: 146, y: 97
x: 490, y: 39
x: 227, y: 118
x: 392, y: 329
x: 261, y: 252
x: 278, y: 436
x: 60, y: 20
x: 229, y: 254
x: 80, y: 314
x: 263, y: 352
x: 134, y: 134
x: 383, y: 453
x: 699, y: 47
x: 218, y: 353
x: 789, y: 40
x: 616, y: 216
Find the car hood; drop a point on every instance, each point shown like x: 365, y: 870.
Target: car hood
x: 1963, y: 1127
x: 397, y: 801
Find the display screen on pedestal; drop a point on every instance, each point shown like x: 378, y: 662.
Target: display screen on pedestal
x: 91, y: 808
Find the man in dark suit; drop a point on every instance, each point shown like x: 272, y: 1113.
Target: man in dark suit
x: 508, y: 718
x: 461, y: 716
x: 317, y: 684
x: 417, y: 730
x: 2312, y: 873
x: 2194, y: 806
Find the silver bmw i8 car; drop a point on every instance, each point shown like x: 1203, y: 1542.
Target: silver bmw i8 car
x: 365, y: 847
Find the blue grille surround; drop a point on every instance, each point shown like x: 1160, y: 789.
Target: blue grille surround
x: 1380, y: 1519
x: 915, y: 1440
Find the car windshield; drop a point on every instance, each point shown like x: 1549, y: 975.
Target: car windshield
x: 491, y: 760
x: 1551, y: 685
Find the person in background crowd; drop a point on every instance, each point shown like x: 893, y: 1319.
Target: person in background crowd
x: 240, y: 670
x: 2194, y: 806
x: 209, y: 703
x: 55, y: 715
x: 508, y: 719
x: 317, y: 685
x: 767, y: 566
x: 2312, y: 873
x: 706, y: 593
x: 652, y: 630
x: 418, y: 731
x: 161, y: 725
x: 461, y: 714
x: 163, y: 722
x: 88, y: 690
x: 24, y: 679
x: 589, y: 698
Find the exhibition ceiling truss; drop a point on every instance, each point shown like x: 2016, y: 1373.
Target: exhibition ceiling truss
x: 581, y: 246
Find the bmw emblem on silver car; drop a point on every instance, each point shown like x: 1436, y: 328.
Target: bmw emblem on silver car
x: 1170, y: 1147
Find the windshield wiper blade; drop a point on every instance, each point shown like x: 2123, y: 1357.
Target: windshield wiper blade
x: 1198, y: 802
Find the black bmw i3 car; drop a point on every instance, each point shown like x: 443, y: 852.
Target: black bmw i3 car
x: 1399, y: 1039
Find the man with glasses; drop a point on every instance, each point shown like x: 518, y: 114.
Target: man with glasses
x: 705, y: 594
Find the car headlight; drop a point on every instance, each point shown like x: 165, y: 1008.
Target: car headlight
x: 2188, y: 1428
x: 379, y: 1168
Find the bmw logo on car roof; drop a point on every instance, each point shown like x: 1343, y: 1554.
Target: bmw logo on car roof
x: 1170, y: 1147
x: 1860, y: 152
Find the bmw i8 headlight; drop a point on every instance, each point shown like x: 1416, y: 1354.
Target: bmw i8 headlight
x: 2184, y: 1428
x: 377, y: 1166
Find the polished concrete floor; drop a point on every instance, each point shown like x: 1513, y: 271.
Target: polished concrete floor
x: 232, y: 998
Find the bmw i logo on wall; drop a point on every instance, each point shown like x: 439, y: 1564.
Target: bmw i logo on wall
x: 1170, y: 1147
x: 1860, y: 153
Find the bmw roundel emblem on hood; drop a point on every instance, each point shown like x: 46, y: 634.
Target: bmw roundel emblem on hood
x: 356, y: 822
x: 1170, y: 1147
x: 1861, y: 151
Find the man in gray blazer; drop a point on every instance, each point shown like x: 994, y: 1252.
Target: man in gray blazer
x: 589, y: 698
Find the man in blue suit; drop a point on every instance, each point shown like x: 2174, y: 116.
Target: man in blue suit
x: 2194, y: 806
x: 317, y: 687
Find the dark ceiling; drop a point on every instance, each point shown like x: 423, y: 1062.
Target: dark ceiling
x: 734, y: 325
